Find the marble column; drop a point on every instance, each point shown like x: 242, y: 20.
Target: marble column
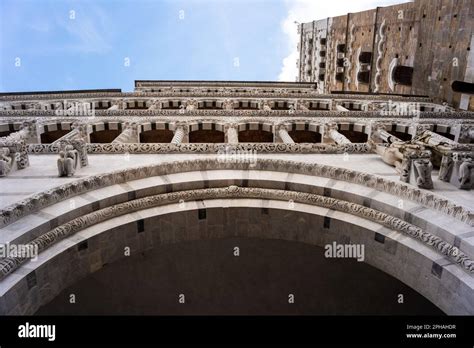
x: 232, y: 134
x: 285, y: 137
x: 386, y: 136
x: 337, y: 137
x: 128, y: 136
x: 178, y: 135
x: 341, y: 108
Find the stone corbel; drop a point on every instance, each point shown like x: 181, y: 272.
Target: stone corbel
x: 417, y: 168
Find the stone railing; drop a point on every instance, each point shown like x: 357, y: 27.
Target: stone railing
x: 426, y: 198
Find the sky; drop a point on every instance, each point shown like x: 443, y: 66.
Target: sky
x: 93, y: 44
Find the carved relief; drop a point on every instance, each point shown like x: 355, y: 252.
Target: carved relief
x: 44, y: 241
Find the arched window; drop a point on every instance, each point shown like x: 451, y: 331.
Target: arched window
x: 403, y: 75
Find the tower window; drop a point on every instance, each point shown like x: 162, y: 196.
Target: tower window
x: 403, y: 75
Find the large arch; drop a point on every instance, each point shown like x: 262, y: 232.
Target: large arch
x: 237, y: 276
x: 112, y: 214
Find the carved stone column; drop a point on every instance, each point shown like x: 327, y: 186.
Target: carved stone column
x: 129, y: 135
x: 381, y: 133
x: 283, y: 133
x: 331, y: 132
x: 117, y: 105
x: 341, y: 108
x: 73, y: 134
x: 178, y: 135
x: 232, y: 134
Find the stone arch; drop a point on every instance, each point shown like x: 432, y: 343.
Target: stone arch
x: 9, y: 127
x: 305, y: 131
x: 355, y: 132
x: 401, y: 131
x: 210, y: 104
x: 403, y: 75
x: 151, y: 229
x: 206, y: 132
x: 50, y: 132
x: 104, y: 132
x: 101, y: 104
x: 137, y: 104
x: 122, y: 205
x: 156, y: 132
x: 256, y: 132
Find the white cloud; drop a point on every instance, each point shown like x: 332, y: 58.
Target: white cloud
x: 87, y: 30
x: 304, y: 11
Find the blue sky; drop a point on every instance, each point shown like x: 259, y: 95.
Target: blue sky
x: 62, y: 44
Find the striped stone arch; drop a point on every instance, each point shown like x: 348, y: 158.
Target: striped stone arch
x: 206, y: 132
x: 6, y: 128
x: 172, y: 104
x: 444, y: 130
x: 246, y: 104
x: 101, y: 104
x: 255, y: 132
x: 353, y: 105
x: 210, y: 104
x: 104, y: 131
x: 305, y: 131
x: 400, y: 130
x: 356, y: 132
x: 137, y: 104
x: 15, y: 106
x: 280, y: 104
x: 51, y: 131
x: 156, y: 132
x: 321, y: 104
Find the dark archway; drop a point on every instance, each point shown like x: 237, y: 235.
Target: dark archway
x: 403, y: 75
x: 305, y: 136
x: 258, y: 281
x: 52, y: 136
x: 255, y: 136
x: 104, y: 136
x: 206, y: 136
x: 401, y: 135
x: 354, y: 136
x: 156, y: 136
